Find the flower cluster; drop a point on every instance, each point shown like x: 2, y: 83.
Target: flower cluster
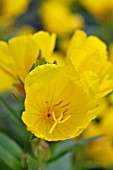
x: 56, y: 71
x: 61, y: 100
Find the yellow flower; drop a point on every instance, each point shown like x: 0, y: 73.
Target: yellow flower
x: 20, y: 53
x: 58, y: 18
x: 98, y: 7
x: 57, y: 107
x: 101, y: 150
x: 12, y: 8
x: 89, y: 56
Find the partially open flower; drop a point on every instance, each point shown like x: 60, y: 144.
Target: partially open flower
x: 20, y: 53
x: 89, y: 56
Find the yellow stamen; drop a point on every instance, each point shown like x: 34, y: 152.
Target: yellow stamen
x: 52, y: 128
x: 59, y: 120
x: 62, y: 121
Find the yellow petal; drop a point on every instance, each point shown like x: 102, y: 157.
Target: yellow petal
x: 89, y: 54
x: 6, y: 80
x: 46, y: 43
x: 24, y: 52
x: 6, y: 60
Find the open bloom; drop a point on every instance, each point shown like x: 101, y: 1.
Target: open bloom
x: 57, y: 107
x: 20, y: 53
x: 89, y: 56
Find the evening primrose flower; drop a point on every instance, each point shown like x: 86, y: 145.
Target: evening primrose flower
x: 101, y: 150
x: 57, y: 107
x: 89, y: 56
x: 98, y: 7
x: 57, y: 17
x: 20, y: 53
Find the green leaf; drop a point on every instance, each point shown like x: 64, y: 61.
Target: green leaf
x: 10, y: 145
x: 32, y: 164
x: 72, y: 148
x: 12, y: 114
x: 10, y: 152
x: 9, y: 159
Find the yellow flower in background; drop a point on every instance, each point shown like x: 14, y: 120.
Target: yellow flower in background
x: 58, y: 18
x: 6, y: 80
x: 20, y: 53
x: 89, y: 56
x: 107, y: 123
x: 99, y: 8
x: 57, y: 107
x: 12, y: 9
x: 101, y: 150
x: 59, y: 58
x: 63, y: 44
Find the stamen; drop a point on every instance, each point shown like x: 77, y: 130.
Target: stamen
x: 62, y: 121
x: 52, y: 128
x: 59, y: 120
x: 54, y: 118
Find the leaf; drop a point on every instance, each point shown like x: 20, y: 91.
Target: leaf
x: 9, y: 159
x: 73, y: 147
x: 12, y: 114
x: 10, y: 152
x: 10, y: 145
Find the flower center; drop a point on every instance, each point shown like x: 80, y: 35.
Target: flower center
x: 56, y: 113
